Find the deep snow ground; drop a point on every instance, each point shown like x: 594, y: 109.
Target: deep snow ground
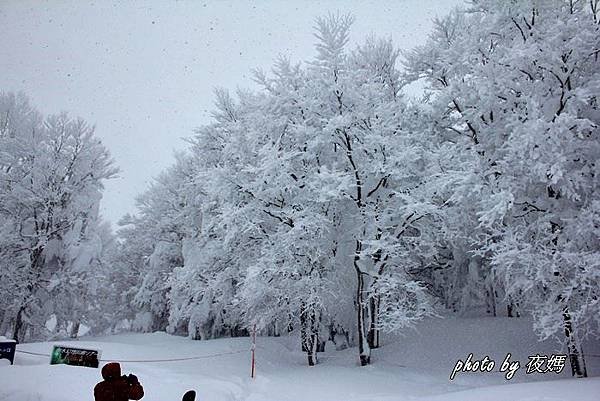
x: 414, y: 367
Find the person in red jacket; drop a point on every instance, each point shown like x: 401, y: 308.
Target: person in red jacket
x: 115, y: 387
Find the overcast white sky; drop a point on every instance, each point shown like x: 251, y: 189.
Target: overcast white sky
x: 144, y: 72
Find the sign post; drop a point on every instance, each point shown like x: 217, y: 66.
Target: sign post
x: 7, y: 350
x: 75, y: 356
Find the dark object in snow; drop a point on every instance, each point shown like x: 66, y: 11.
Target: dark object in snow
x: 7, y: 349
x: 115, y: 387
x: 189, y: 396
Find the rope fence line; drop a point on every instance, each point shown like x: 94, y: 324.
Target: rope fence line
x: 215, y: 355
x: 31, y: 353
x: 148, y: 360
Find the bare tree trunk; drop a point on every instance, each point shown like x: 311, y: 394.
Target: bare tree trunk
x: 75, y: 329
x: 5, y: 323
x: 303, y: 335
x: 320, y: 342
x: 308, y: 334
x: 364, y: 351
x: 378, y: 305
x: 36, y: 260
x: 313, y: 341
x: 18, y: 332
x: 491, y: 296
x: 512, y: 309
x: 578, y: 368
x: 361, y: 307
x: 373, y: 334
x: 196, y: 333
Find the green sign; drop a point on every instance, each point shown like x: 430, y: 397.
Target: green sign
x: 75, y: 356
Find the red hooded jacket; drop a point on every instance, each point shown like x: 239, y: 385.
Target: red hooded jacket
x: 116, y: 387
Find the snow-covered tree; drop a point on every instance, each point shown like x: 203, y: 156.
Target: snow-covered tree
x: 307, y: 204
x: 516, y: 88
x: 51, y: 174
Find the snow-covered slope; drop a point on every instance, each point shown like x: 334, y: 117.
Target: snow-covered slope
x: 413, y: 367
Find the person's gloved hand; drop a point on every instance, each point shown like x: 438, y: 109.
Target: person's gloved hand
x: 132, y: 379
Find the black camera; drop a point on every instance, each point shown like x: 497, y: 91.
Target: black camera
x: 131, y: 378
